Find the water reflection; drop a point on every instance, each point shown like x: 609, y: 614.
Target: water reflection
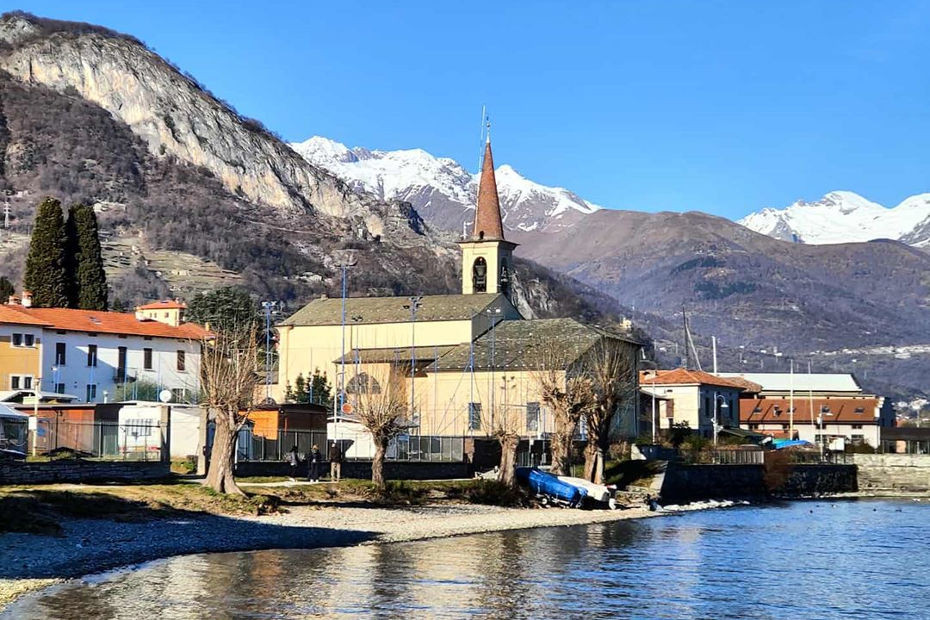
x: 803, y: 560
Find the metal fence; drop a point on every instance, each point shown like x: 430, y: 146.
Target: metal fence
x: 253, y: 447
x: 409, y: 448
x: 131, y: 440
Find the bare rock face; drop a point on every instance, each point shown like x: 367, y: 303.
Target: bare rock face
x: 175, y: 116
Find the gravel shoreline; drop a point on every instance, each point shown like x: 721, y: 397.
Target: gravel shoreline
x: 89, y: 546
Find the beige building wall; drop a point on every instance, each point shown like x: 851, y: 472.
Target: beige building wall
x: 869, y: 433
x: 304, y: 348
x: 442, y: 399
x: 494, y: 253
x: 19, y: 360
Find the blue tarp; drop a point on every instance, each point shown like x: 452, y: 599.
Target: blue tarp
x: 789, y: 443
x: 545, y: 483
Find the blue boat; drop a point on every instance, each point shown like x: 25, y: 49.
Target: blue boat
x: 549, y: 487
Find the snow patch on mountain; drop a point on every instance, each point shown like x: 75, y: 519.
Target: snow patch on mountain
x: 441, y: 189
x: 843, y: 217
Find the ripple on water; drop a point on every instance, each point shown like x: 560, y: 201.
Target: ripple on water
x: 849, y: 559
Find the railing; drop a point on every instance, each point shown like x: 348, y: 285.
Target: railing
x: 409, y: 448
x: 136, y: 440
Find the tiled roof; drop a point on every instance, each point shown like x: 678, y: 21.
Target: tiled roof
x: 9, y: 314
x: 842, y: 410
x: 747, y: 385
x: 395, y: 354
x: 488, y: 223
x: 167, y: 304
x: 684, y: 376
x: 370, y: 310
x: 98, y: 321
x: 526, y: 343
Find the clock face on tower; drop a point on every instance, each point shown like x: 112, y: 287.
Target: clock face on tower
x: 479, y: 275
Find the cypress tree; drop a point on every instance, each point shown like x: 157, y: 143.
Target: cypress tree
x: 45, y: 273
x: 6, y: 289
x: 72, y: 287
x: 90, y: 279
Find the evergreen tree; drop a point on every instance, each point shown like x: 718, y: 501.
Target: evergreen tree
x: 321, y: 392
x: 6, y: 289
x: 45, y: 273
x: 228, y: 309
x: 88, y: 279
x: 300, y: 389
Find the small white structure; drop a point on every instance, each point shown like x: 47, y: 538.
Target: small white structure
x: 141, y: 428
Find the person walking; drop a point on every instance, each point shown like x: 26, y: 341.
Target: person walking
x: 335, y: 462
x: 293, y: 459
x: 314, y: 461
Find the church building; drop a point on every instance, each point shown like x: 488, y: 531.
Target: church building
x: 464, y: 359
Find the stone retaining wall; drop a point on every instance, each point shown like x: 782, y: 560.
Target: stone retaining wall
x: 893, y: 472
x: 687, y: 483
x: 67, y: 470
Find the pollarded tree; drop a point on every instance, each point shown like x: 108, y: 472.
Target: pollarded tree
x: 568, y: 395
x: 88, y: 280
x: 230, y: 368
x: 611, y: 368
x: 46, y: 276
x: 380, y: 396
x: 504, y: 422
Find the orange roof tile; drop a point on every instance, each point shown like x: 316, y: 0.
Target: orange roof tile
x: 683, y: 376
x: 166, y: 304
x: 8, y: 314
x: 488, y: 223
x: 99, y: 321
x: 775, y: 410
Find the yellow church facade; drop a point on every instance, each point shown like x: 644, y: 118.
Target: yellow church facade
x: 463, y: 360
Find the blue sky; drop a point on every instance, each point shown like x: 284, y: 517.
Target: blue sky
x: 722, y: 107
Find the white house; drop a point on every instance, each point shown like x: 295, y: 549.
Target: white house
x: 693, y: 397
x: 90, y: 353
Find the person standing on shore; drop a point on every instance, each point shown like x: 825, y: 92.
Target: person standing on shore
x: 293, y: 460
x: 335, y: 462
x: 314, y: 461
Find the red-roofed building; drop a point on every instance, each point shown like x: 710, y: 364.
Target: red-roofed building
x: 696, y: 397
x: 90, y: 354
x: 819, y: 419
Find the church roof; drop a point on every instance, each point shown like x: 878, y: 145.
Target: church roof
x: 328, y: 311
x: 395, y: 354
x: 527, y: 344
x: 488, y: 224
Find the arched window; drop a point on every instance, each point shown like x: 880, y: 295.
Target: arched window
x: 363, y: 383
x: 479, y: 275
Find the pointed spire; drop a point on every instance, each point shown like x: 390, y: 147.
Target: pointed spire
x: 488, y: 223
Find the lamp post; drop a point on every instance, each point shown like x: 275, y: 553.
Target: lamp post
x: 413, y: 306
x: 491, y: 312
x: 718, y: 398
x: 270, y: 307
x: 348, y: 260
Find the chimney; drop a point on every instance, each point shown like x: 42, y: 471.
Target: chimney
x: 27, y: 299
x: 13, y: 300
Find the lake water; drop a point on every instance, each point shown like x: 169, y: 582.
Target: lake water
x: 863, y: 559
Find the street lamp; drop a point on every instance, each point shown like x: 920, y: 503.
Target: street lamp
x: 718, y: 398
x: 413, y: 306
x: 270, y: 307
x: 491, y: 312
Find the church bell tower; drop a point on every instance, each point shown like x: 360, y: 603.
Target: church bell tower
x: 487, y: 258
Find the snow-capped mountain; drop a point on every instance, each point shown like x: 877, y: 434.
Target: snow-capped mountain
x: 441, y: 189
x: 843, y: 217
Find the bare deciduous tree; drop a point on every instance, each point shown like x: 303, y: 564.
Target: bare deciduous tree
x: 568, y: 396
x: 611, y: 368
x: 504, y: 422
x: 381, y: 404
x: 229, y: 369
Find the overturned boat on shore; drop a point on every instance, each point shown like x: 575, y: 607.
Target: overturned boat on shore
x: 564, y: 490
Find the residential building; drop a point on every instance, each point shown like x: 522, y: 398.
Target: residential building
x: 462, y: 358
x: 832, y: 421
x: 696, y: 398
x: 90, y: 354
x: 782, y: 384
